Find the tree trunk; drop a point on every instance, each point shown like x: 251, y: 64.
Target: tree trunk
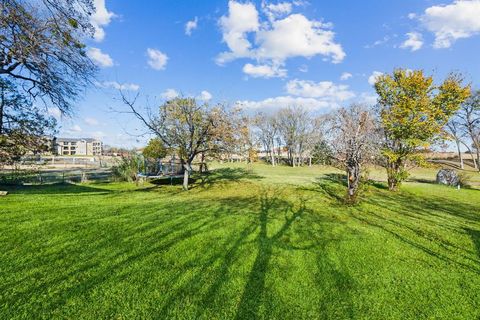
x: 272, y: 156
x: 393, y: 172
x: 187, y: 168
x: 353, y: 181
x: 460, y: 154
x: 475, y: 165
x: 478, y: 158
x: 2, y: 103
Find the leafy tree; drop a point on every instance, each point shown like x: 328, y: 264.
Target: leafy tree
x: 187, y: 128
x: 41, y: 48
x: 23, y: 127
x: 413, y: 112
x: 155, y: 149
x: 322, y: 153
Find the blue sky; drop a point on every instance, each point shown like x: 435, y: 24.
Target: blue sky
x: 265, y: 54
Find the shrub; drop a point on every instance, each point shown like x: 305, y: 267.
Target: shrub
x: 128, y: 168
x: 464, y: 179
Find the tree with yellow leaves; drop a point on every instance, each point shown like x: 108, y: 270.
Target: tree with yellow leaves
x: 413, y: 111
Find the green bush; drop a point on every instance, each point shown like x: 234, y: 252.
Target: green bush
x: 17, y: 177
x: 128, y: 168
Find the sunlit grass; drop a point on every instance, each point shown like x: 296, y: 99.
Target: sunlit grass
x: 245, y: 242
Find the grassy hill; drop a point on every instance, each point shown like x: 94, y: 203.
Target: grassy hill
x: 245, y: 242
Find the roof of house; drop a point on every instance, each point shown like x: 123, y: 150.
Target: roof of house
x: 76, y: 139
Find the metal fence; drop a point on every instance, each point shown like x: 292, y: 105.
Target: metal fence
x: 32, y: 177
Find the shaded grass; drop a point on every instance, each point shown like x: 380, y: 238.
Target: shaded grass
x: 239, y: 245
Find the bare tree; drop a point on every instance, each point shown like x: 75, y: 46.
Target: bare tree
x: 454, y: 132
x: 41, y: 48
x: 315, y: 135
x: 186, y: 127
x: 267, y: 126
x: 353, y: 136
x: 469, y: 115
x: 293, y: 125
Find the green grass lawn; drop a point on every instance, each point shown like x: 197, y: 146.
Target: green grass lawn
x: 244, y: 243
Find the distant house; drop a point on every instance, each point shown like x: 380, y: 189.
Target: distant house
x: 78, y: 147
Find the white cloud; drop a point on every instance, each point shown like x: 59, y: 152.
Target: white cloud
x: 205, y: 96
x: 241, y: 19
x: 99, y: 58
x: 373, y: 77
x: 285, y: 101
x: 368, y: 98
x: 274, y: 11
x: 190, y: 26
x: 306, y: 38
x: 75, y: 128
x: 118, y: 86
x: 308, y: 94
x: 412, y: 16
x: 91, y: 121
x: 156, y: 59
x: 100, y: 18
x: 345, y: 76
x: 264, y: 71
x: 451, y: 22
x: 414, y: 41
x: 169, y: 94
x: 325, y: 90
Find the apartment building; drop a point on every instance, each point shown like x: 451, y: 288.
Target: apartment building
x: 78, y: 146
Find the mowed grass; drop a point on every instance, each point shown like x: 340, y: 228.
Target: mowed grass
x: 246, y: 242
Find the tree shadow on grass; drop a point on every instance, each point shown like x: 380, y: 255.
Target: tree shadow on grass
x: 56, y: 188
x: 224, y: 175
x: 333, y: 186
x: 161, y: 246
x: 424, y: 223
x: 255, y: 286
x: 475, y: 235
x: 410, y: 217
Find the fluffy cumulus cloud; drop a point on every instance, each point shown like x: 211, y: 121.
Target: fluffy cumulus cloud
x: 324, y: 90
x: 118, y: 86
x: 414, y: 41
x: 205, y: 96
x: 264, y: 71
x: 284, y: 102
x: 345, y: 76
x: 373, y: 77
x: 169, y: 94
x: 100, y: 58
x: 275, y: 11
x: 100, y: 18
x: 242, y: 18
x: 190, y: 26
x: 156, y: 59
x: 451, y: 22
x: 308, y: 94
x: 264, y: 41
